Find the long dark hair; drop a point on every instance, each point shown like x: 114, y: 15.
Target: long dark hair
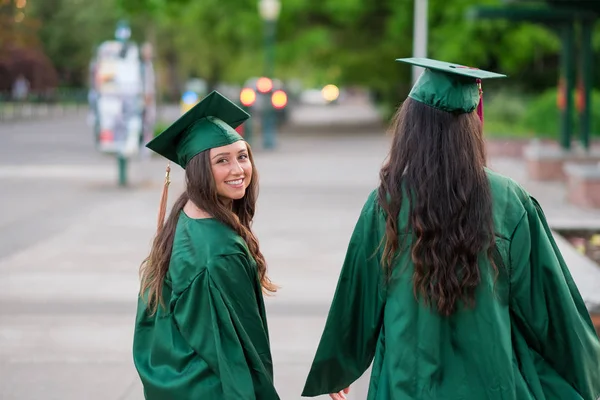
x: 437, y: 162
x: 201, y: 190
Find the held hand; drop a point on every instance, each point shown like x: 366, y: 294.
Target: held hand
x: 341, y: 395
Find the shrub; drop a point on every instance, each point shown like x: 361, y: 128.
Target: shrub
x: 509, y: 114
x: 543, y: 117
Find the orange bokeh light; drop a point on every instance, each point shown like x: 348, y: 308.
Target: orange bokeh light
x: 247, y: 97
x: 264, y: 85
x: 279, y: 99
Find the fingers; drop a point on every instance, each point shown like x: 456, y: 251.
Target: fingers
x: 338, y: 396
x: 341, y: 395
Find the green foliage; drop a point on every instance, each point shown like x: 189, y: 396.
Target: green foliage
x: 347, y: 42
x: 150, y: 8
x: 69, y: 31
x: 160, y: 127
x: 542, y: 115
x: 511, y: 114
x: 214, y: 42
x: 504, y: 112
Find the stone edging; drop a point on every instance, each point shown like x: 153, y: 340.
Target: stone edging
x: 583, y: 171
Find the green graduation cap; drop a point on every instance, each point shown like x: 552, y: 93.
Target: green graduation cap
x: 448, y: 87
x: 210, y: 123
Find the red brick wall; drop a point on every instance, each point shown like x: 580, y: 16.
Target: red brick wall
x: 545, y: 170
x: 583, y: 193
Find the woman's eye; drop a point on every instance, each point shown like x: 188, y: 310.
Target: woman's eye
x: 243, y: 156
x: 222, y: 160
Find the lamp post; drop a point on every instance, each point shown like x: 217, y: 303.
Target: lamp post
x: 269, y: 12
x: 419, y: 35
x: 122, y: 34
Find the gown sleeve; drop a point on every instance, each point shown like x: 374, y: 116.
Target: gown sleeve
x: 549, y: 311
x: 348, y: 342
x: 221, y: 315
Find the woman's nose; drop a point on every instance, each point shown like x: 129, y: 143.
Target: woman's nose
x: 236, y: 168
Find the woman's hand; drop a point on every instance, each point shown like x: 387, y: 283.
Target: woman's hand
x: 341, y: 395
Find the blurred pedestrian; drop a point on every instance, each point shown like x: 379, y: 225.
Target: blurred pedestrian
x: 201, y: 329
x: 20, y: 88
x: 452, y: 281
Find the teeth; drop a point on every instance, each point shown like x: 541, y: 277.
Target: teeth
x: 237, y: 182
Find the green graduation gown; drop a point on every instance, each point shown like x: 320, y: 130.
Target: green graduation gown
x: 528, y: 337
x: 210, y: 341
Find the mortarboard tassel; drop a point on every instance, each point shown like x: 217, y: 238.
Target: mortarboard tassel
x: 480, y: 105
x: 162, y: 208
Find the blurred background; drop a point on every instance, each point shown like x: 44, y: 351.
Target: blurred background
x: 51, y: 50
x: 85, y: 84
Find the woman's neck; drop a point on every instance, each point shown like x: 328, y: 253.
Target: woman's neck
x: 195, y: 212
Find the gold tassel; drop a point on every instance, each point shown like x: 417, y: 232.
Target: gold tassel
x: 162, y: 208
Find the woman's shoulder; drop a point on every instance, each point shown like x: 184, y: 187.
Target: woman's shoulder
x: 206, y: 227
x: 503, y: 185
x: 371, y: 204
x: 509, y: 201
x: 198, y: 243
x: 210, y: 236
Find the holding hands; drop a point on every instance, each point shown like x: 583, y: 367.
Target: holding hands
x: 341, y: 395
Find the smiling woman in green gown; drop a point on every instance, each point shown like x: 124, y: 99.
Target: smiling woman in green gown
x: 201, y: 329
x: 452, y: 283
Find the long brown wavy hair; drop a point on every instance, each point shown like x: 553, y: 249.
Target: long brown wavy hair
x: 437, y: 162
x: 201, y: 190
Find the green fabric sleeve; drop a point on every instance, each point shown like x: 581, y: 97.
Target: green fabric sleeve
x: 354, y: 322
x: 548, y: 310
x: 222, y: 318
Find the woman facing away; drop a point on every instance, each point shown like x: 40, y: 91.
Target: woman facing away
x: 201, y: 329
x: 452, y: 281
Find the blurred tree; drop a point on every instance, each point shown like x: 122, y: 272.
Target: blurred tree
x: 17, y: 29
x: 211, y: 39
x: 527, y: 52
x: 21, y: 51
x: 356, y: 42
x: 70, y: 30
x: 348, y: 42
x: 220, y: 40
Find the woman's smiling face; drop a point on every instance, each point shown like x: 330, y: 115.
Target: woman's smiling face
x: 232, y: 170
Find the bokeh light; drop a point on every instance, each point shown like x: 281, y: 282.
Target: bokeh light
x: 264, y: 85
x: 330, y: 92
x: 279, y: 99
x: 247, y: 97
